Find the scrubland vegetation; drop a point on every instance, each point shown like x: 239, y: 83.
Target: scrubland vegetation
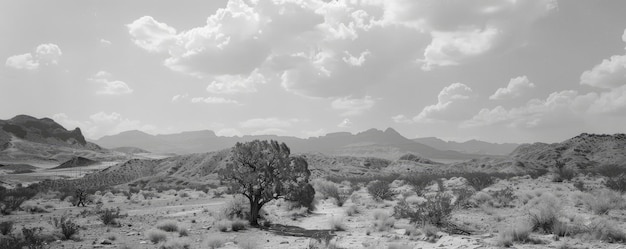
x: 562, y: 207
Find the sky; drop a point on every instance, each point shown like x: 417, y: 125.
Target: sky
x: 493, y: 70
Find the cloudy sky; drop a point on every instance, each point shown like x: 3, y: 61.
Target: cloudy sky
x: 496, y: 70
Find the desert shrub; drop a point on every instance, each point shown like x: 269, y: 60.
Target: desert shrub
x: 213, y: 242
x: 544, y: 216
x: 481, y: 198
x: 336, y: 224
x: 610, y: 170
x: 176, y: 244
x: 303, y: 196
x: 237, y: 208
x: 10, y: 204
x: 503, y: 197
x: 602, y: 201
x: 617, y: 183
x: 67, y: 226
x: 330, y: 190
x: 223, y: 225
x: 606, y: 230
x: 351, y: 210
x: 183, y: 232
x: 168, y: 226
x: 580, y: 185
x: 380, y: 190
x: 109, y: 216
x: 237, y: 225
x: 32, y: 237
x: 6, y: 227
x: 518, y: 233
x: 155, y: 236
x: 478, y: 180
x: 382, y: 221
x: 562, y: 172
x: 435, y: 210
x: 420, y: 181
x: 11, y: 242
x: 463, y: 197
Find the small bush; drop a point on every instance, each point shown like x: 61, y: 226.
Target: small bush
x: 351, y: 210
x: 330, y: 190
x: 237, y: 225
x: 168, y: 226
x: 545, y: 215
x: 617, y: 183
x: 33, y: 238
x: 607, y: 231
x: 503, y: 197
x: 176, y: 244
x: 602, y: 201
x: 6, y: 227
x: 67, y: 226
x: 580, y: 185
x: 155, y: 236
x: 109, y: 216
x: 183, y: 232
x: 336, y: 224
x: 435, y: 210
x: 478, y: 180
x: 303, y: 196
x: 214, y: 242
x: 382, y: 221
x: 380, y: 190
x: 518, y: 233
x: 237, y: 208
x: 223, y: 225
x: 562, y: 172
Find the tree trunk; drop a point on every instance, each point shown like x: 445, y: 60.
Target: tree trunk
x: 254, y: 213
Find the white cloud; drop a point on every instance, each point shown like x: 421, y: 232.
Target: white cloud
x: 179, y: 97
x: 268, y: 123
x: 110, y: 87
x: 45, y: 54
x: 610, y: 73
x: 151, y: 35
x: 516, y: 87
x: 356, y: 61
x: 229, y: 132
x: 353, y: 106
x: 213, y: 100
x: 453, y: 48
x: 346, y: 123
x: 452, y: 104
x: 105, y: 43
x: 401, y: 118
x: 230, y: 84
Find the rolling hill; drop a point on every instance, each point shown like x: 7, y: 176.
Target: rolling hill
x: 471, y: 146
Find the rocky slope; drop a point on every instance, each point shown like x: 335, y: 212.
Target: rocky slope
x: 25, y: 138
x: 471, y: 146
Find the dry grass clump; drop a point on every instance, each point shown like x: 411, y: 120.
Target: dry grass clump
x: 6, y: 227
x: 435, y: 210
x: 237, y: 208
x: 176, y: 244
x: 168, y: 225
x: 382, y: 221
x: 237, y: 225
x: 66, y: 225
x: 517, y: 233
x: 606, y: 230
x: 183, y: 232
x: 213, y: 242
x: 545, y: 214
x: 602, y: 201
x: 380, y: 190
x: 336, y: 224
x: 352, y: 210
x: 155, y: 236
x: 328, y: 189
x: 223, y: 225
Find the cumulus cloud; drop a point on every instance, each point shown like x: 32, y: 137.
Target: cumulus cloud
x: 516, y: 87
x: 213, y: 100
x: 610, y: 73
x: 268, y: 123
x: 179, y: 97
x: 346, y: 123
x: 108, y: 86
x: 452, y: 104
x: 102, y: 123
x: 44, y: 54
x: 230, y: 84
x: 105, y: 43
x: 229, y: 132
x: 353, y: 106
x: 151, y: 35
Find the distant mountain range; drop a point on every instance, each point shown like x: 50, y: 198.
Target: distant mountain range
x: 471, y: 146
x: 385, y: 144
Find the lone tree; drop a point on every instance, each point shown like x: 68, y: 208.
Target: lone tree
x: 264, y: 171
